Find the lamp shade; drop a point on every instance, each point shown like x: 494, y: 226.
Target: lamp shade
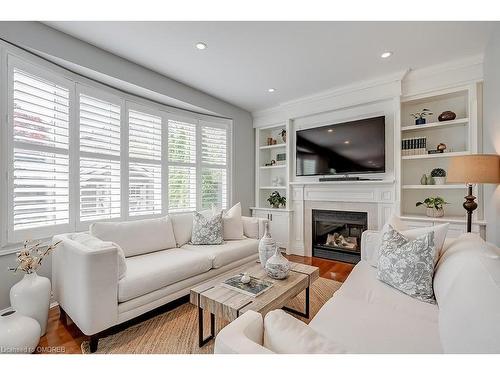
x: 475, y: 169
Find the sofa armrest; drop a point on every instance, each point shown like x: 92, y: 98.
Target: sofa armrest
x: 253, y: 227
x: 85, y: 283
x: 370, y: 242
x: 244, y: 335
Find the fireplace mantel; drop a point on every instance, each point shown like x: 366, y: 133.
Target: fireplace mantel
x: 376, y: 197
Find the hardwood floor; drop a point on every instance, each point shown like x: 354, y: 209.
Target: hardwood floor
x: 67, y: 338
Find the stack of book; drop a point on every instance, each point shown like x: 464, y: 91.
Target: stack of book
x: 414, y: 146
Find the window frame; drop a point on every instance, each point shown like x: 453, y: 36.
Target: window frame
x: 10, y: 57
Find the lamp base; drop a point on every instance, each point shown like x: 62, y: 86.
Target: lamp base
x: 470, y: 205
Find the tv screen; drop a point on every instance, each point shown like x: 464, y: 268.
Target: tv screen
x: 347, y: 148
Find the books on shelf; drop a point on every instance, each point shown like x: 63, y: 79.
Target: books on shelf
x: 414, y: 146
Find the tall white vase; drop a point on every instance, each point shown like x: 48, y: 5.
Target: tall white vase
x: 31, y: 297
x: 267, y: 247
x: 18, y: 333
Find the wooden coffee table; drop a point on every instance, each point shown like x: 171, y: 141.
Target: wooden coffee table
x: 228, y: 304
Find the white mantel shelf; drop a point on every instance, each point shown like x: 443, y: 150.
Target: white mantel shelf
x: 359, y: 182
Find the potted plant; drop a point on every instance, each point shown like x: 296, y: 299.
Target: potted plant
x: 283, y: 135
x: 439, y: 176
x: 420, y: 116
x: 276, y: 200
x: 434, y: 206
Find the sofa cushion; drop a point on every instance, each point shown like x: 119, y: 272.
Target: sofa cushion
x: 95, y: 243
x: 207, y: 230
x: 408, y: 265
x: 368, y: 316
x: 183, y: 227
x: 137, y: 237
x: 284, y: 334
x: 467, y: 286
x: 149, y: 272
x: 227, y: 252
x: 232, y: 224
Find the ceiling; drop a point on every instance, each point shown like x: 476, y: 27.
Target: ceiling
x: 244, y: 59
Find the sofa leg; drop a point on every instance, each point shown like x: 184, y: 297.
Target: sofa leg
x: 94, y: 342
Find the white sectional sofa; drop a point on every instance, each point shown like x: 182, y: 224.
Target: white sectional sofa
x: 119, y: 271
x: 368, y: 316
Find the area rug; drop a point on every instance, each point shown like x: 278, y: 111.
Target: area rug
x: 176, y: 331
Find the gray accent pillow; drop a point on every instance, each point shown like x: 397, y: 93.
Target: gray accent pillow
x: 408, y: 265
x: 207, y: 230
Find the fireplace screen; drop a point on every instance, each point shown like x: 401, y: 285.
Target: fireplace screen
x: 337, y: 234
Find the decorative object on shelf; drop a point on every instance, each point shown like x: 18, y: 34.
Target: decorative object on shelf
x: 439, y: 176
x: 430, y: 180
x: 273, y: 162
x: 269, y: 141
x: 274, y: 142
x: 447, y: 116
x: 420, y: 116
x: 278, y: 267
x: 423, y: 180
x: 276, y: 200
x: 283, y: 135
x: 434, y: 206
x: 18, y: 333
x: 31, y: 295
x: 245, y: 279
x: 441, y: 147
x: 474, y: 169
x: 275, y: 181
x: 281, y: 158
x: 267, y: 246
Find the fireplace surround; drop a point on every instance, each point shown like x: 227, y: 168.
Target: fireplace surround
x: 336, y: 234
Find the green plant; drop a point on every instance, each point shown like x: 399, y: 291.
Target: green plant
x: 276, y: 200
x: 423, y: 113
x: 432, y: 202
x: 438, y: 172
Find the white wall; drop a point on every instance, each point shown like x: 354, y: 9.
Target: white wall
x: 99, y: 64
x: 491, y: 130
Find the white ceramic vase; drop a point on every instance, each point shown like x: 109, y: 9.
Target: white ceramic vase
x: 18, y: 333
x: 278, y: 266
x: 31, y: 297
x: 267, y: 246
x: 439, y: 180
x: 434, y: 212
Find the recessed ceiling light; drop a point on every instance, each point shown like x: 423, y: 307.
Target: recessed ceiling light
x: 330, y: 130
x: 386, y: 55
x: 201, y: 45
x: 347, y: 142
x: 271, y: 89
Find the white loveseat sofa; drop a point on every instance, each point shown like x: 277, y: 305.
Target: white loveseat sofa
x: 368, y: 316
x: 119, y: 271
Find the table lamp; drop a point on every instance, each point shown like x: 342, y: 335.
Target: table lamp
x: 474, y: 169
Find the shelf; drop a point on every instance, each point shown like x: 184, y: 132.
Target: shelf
x: 273, y: 166
x: 444, y: 219
x: 440, y: 124
x: 279, y: 145
x: 273, y: 188
x: 271, y: 209
x: 436, y: 156
x: 438, y: 187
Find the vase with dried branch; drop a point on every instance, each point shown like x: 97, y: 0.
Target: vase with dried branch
x: 31, y: 295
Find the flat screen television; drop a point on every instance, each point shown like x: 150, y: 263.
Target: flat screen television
x: 347, y: 148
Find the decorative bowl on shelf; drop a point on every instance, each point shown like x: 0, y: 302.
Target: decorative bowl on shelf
x: 447, y: 116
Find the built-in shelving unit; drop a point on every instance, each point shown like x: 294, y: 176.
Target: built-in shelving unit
x: 461, y: 138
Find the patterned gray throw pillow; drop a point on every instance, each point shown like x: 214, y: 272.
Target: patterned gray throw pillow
x: 207, y: 231
x: 408, y: 265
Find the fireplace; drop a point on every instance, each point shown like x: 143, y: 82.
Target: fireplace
x: 336, y: 235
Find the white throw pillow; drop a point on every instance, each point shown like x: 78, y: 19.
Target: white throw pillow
x: 232, y: 223
x: 283, y: 334
x: 183, y: 227
x: 139, y: 236
x: 95, y: 243
x: 250, y: 227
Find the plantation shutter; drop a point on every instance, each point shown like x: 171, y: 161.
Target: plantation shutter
x: 144, y: 164
x: 40, y: 173
x: 214, y: 174
x: 181, y: 166
x: 99, y: 159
